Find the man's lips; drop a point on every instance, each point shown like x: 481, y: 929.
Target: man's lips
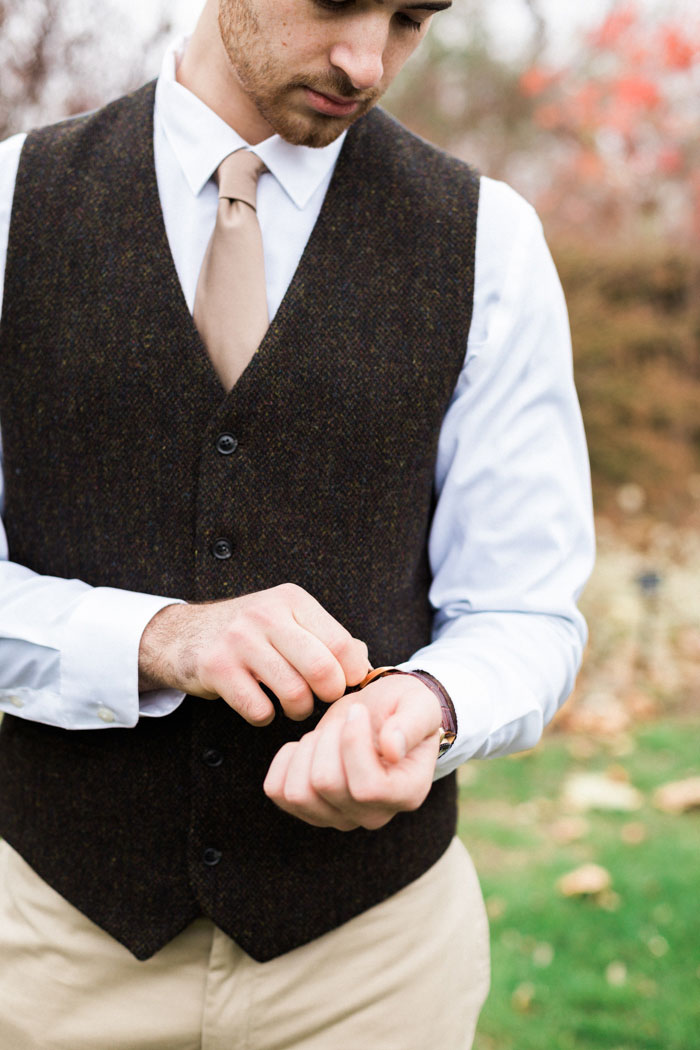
x: 331, y: 105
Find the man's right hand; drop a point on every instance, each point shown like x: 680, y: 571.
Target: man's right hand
x: 281, y: 637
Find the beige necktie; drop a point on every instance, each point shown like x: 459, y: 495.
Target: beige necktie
x: 230, y: 306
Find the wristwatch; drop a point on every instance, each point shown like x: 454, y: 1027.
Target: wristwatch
x: 448, y: 729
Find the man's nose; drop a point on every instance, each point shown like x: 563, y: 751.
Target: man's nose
x: 360, y: 55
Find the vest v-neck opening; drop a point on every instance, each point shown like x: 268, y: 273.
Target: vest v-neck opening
x: 302, y: 274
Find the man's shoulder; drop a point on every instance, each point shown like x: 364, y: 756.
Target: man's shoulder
x: 382, y: 148
x: 401, y: 147
x: 90, y: 146
x: 85, y: 128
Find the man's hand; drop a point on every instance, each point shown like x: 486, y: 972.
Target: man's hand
x: 371, y: 756
x: 281, y: 637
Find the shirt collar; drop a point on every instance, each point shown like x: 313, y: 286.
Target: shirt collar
x: 200, y: 140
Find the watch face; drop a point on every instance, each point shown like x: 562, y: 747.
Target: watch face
x: 447, y: 739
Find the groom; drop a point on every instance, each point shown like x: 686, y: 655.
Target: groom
x: 220, y: 857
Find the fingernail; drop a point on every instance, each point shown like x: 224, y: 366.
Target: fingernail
x: 353, y: 713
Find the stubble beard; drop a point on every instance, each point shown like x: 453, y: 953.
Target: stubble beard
x: 241, y: 36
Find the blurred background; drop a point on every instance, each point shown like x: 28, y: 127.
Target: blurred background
x: 588, y: 846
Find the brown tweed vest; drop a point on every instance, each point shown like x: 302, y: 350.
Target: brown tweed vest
x: 111, y: 415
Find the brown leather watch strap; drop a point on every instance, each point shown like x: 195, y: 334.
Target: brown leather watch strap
x: 449, y: 715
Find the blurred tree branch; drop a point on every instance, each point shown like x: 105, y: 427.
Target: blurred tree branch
x: 60, y: 57
x: 539, y: 38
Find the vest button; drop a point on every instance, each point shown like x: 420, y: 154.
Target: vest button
x: 222, y: 549
x: 211, y: 857
x: 212, y: 757
x: 226, y: 444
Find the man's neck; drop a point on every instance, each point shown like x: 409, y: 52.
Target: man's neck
x: 205, y: 70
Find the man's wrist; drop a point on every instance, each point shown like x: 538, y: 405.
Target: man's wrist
x: 156, y: 660
x: 448, y: 733
x: 448, y: 729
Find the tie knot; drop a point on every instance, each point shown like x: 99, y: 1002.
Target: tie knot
x: 238, y: 176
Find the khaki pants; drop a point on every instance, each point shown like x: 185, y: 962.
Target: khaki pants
x: 409, y: 974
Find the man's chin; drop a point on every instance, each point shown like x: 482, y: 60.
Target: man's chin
x: 313, y: 130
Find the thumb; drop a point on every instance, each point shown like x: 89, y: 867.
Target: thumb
x: 416, y: 718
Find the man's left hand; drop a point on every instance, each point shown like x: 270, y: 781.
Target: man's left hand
x: 371, y: 756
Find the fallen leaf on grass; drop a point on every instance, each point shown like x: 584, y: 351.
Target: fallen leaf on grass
x: 679, y: 796
x: 641, y: 706
x: 590, y: 880
x: 622, y: 745
x: 569, y: 829
x: 543, y: 955
x: 585, y: 791
x: 634, y: 833
x: 522, y: 997
x: 581, y: 747
x: 657, y: 945
x: 617, y: 773
x: 600, y: 714
x: 616, y: 974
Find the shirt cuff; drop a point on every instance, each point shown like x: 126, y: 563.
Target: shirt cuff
x: 473, y: 706
x: 99, y: 662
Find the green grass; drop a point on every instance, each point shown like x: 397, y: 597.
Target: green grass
x: 555, y: 959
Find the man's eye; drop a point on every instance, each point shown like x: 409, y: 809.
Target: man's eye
x: 408, y: 22
x: 404, y: 20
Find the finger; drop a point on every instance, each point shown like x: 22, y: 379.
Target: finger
x: 371, y: 791
x: 242, y: 692
x: 379, y: 787
x: 299, y: 796
x: 269, y: 666
x: 311, y: 659
x: 327, y: 773
x: 415, y: 717
x: 296, y: 795
x: 273, y: 784
x: 351, y: 653
x: 353, y: 656
x: 399, y: 736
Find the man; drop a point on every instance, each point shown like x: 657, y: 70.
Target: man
x: 396, y: 475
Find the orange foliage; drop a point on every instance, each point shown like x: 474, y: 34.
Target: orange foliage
x: 627, y: 111
x: 639, y: 92
x: 678, y: 52
x: 670, y: 160
x: 615, y: 27
x: 536, y: 80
